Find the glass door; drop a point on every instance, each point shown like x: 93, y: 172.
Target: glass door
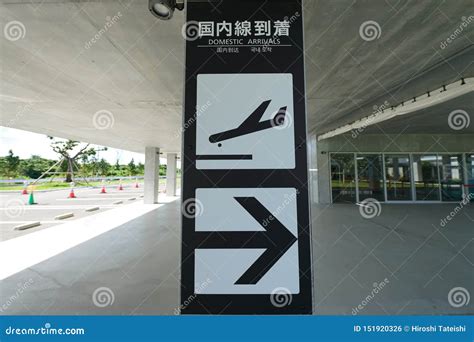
x: 370, y: 176
x: 426, y: 177
x: 343, y: 177
x: 470, y: 176
x: 452, y: 177
x: 398, y: 177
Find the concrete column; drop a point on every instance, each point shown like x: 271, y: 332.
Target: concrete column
x: 171, y: 159
x: 152, y: 174
x: 313, y: 169
x: 324, y: 177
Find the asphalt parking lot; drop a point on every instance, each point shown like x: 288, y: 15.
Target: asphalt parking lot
x: 16, y: 212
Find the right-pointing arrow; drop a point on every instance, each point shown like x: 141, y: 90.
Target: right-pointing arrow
x: 276, y: 239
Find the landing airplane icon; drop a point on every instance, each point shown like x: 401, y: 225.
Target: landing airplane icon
x: 252, y: 124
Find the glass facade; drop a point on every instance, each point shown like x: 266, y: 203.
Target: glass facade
x: 452, y: 177
x: 469, y: 186
x: 343, y: 181
x: 401, y: 177
x: 370, y: 180
x: 398, y: 177
x: 426, y: 177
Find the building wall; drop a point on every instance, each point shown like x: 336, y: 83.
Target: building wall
x: 415, y: 143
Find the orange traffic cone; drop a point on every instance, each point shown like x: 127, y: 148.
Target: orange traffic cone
x: 136, y: 185
x: 71, y: 194
x: 120, y: 187
x: 102, y: 191
x: 24, y: 192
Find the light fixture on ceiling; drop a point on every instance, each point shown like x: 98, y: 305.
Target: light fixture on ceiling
x: 164, y: 9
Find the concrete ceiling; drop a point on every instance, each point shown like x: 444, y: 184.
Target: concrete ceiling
x: 431, y: 121
x: 53, y: 84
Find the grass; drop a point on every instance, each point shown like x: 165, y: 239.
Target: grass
x: 62, y: 185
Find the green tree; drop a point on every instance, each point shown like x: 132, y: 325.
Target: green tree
x: 70, y: 151
x: 162, y: 170
x: 11, y: 165
x: 35, y: 166
x: 140, y: 169
x: 103, y: 167
x: 132, y: 168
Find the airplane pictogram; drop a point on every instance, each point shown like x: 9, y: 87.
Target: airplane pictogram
x: 252, y: 124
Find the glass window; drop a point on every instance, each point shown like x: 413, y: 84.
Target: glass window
x: 470, y: 176
x: 451, y: 177
x: 398, y: 177
x: 426, y: 177
x: 369, y: 168
x: 343, y: 178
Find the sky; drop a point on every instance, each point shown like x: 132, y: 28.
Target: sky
x: 25, y: 144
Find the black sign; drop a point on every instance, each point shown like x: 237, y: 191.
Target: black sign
x: 246, y: 245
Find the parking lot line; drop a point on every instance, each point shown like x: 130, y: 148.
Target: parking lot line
x: 56, y: 207
x: 92, y: 199
x: 44, y: 244
x: 20, y: 222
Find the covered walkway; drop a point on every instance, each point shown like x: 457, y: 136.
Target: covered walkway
x: 405, y: 253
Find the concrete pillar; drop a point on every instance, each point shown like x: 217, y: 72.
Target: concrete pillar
x: 152, y: 175
x: 171, y: 159
x: 324, y: 176
x: 313, y: 169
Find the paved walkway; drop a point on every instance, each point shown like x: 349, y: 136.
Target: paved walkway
x: 136, y: 266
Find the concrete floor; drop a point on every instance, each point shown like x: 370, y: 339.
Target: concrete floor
x: 139, y: 263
